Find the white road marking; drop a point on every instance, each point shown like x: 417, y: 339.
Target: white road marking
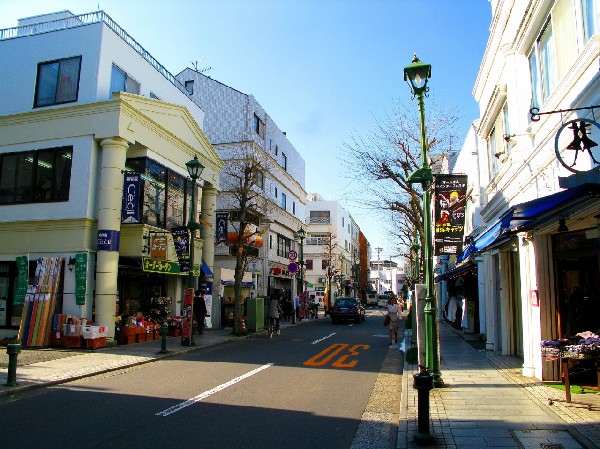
x: 208, y: 393
x: 321, y: 339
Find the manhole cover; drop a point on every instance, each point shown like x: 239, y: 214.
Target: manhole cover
x: 545, y: 439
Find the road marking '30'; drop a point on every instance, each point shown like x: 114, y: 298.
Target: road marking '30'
x: 327, y: 355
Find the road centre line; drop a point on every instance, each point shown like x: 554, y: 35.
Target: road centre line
x: 321, y: 339
x: 208, y: 393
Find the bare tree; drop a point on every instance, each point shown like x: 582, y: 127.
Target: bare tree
x: 329, y: 243
x: 244, y: 194
x: 381, y: 161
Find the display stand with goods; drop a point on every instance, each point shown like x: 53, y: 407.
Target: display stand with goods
x: 40, y: 302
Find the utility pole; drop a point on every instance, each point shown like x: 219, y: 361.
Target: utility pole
x: 378, y: 271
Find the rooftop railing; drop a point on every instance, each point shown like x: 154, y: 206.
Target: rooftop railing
x: 87, y: 19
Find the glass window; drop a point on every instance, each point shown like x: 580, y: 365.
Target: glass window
x: 283, y: 245
x: 536, y: 93
x: 259, y: 126
x: 324, y: 264
x: 283, y: 201
x: 153, y: 211
x: 294, y: 207
x: 320, y: 216
x: 35, y: 176
x: 189, y: 86
x: 284, y: 161
x: 492, y: 153
x: 591, y: 18
x: 121, y: 82
x: 57, y: 82
x: 309, y: 264
x: 175, y: 201
x: 547, y: 60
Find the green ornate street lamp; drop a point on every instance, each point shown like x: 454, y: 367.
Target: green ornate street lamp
x: 417, y: 75
x: 301, y: 233
x: 194, y: 168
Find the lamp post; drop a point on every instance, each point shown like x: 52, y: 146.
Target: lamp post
x: 417, y: 74
x: 194, y: 168
x: 301, y: 233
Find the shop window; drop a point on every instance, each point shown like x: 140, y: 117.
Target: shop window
x: 35, y: 176
x: 57, y: 82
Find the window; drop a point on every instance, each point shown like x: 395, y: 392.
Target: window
x: 259, y: 127
x: 270, y: 242
x: 309, y: 264
x: 342, y: 222
x: 324, y: 264
x: 283, y: 201
x: 294, y: 207
x: 493, y: 153
x: 121, y: 82
x: 259, y: 179
x: 276, y: 192
x: 166, y: 194
x: 284, y: 161
x: 189, y: 86
x: 283, y: 246
x: 35, y: 176
x: 320, y: 216
x: 591, y: 18
x: 57, y: 82
x: 276, y: 150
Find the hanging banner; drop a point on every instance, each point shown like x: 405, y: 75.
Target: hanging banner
x: 449, y: 210
x: 80, y: 278
x: 221, y: 232
x: 21, y: 290
x: 181, y: 239
x: 130, y: 210
x: 186, y: 316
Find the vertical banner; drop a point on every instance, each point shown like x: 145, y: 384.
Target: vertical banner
x: 158, y: 246
x: 221, y: 233
x: 186, y: 315
x: 181, y: 239
x: 450, y: 198
x: 21, y: 290
x: 130, y: 211
x: 80, y: 278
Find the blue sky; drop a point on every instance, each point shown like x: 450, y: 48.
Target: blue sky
x: 322, y: 69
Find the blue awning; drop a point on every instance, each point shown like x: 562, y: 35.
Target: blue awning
x: 530, y: 214
x: 206, y: 269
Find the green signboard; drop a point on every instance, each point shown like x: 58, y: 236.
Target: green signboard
x: 80, y: 278
x: 166, y: 267
x: 21, y: 291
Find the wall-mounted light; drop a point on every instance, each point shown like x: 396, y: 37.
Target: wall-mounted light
x: 71, y: 263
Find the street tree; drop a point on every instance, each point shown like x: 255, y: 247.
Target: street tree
x: 244, y: 193
x: 329, y: 244
x: 381, y: 160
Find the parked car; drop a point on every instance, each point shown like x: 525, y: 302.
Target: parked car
x: 347, y: 309
x: 382, y: 301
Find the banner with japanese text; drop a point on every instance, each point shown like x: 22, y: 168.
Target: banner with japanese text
x: 181, y: 238
x: 221, y: 233
x: 449, y: 213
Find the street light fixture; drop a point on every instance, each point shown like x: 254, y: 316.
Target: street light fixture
x: 194, y: 168
x: 301, y: 233
x: 417, y: 75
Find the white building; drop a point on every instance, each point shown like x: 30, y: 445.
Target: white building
x: 235, y: 122
x: 535, y: 251
x: 83, y: 105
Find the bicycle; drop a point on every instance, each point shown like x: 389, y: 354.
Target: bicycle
x: 273, y: 327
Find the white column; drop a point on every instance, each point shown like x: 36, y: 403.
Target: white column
x: 110, y: 192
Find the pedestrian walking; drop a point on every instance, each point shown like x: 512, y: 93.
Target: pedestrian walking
x: 394, y: 314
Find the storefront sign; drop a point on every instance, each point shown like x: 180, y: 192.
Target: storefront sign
x: 80, y: 278
x: 186, y: 315
x: 150, y: 265
x: 130, y: 210
x: 21, y: 291
x: 108, y: 240
x: 450, y: 198
x: 158, y: 247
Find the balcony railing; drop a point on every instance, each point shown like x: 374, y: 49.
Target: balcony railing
x: 88, y: 19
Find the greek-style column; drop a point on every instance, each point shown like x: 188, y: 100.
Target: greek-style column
x: 110, y: 192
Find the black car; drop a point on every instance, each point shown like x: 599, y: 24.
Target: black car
x: 347, y: 309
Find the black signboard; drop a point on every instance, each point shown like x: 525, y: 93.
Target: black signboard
x: 450, y: 198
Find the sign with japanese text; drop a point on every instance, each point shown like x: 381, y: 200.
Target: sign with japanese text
x: 158, y: 246
x: 150, y: 265
x: 80, y: 278
x: 221, y: 231
x: 181, y: 238
x: 21, y: 291
x: 449, y: 213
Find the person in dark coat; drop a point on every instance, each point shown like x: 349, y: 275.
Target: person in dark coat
x: 199, y: 310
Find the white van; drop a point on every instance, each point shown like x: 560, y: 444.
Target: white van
x: 371, y: 298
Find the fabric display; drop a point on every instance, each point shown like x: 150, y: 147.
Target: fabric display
x: 583, y: 345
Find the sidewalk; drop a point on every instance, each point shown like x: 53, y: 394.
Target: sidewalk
x: 485, y: 402
x: 57, y: 366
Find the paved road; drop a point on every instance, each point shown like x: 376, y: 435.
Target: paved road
x: 316, y: 385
